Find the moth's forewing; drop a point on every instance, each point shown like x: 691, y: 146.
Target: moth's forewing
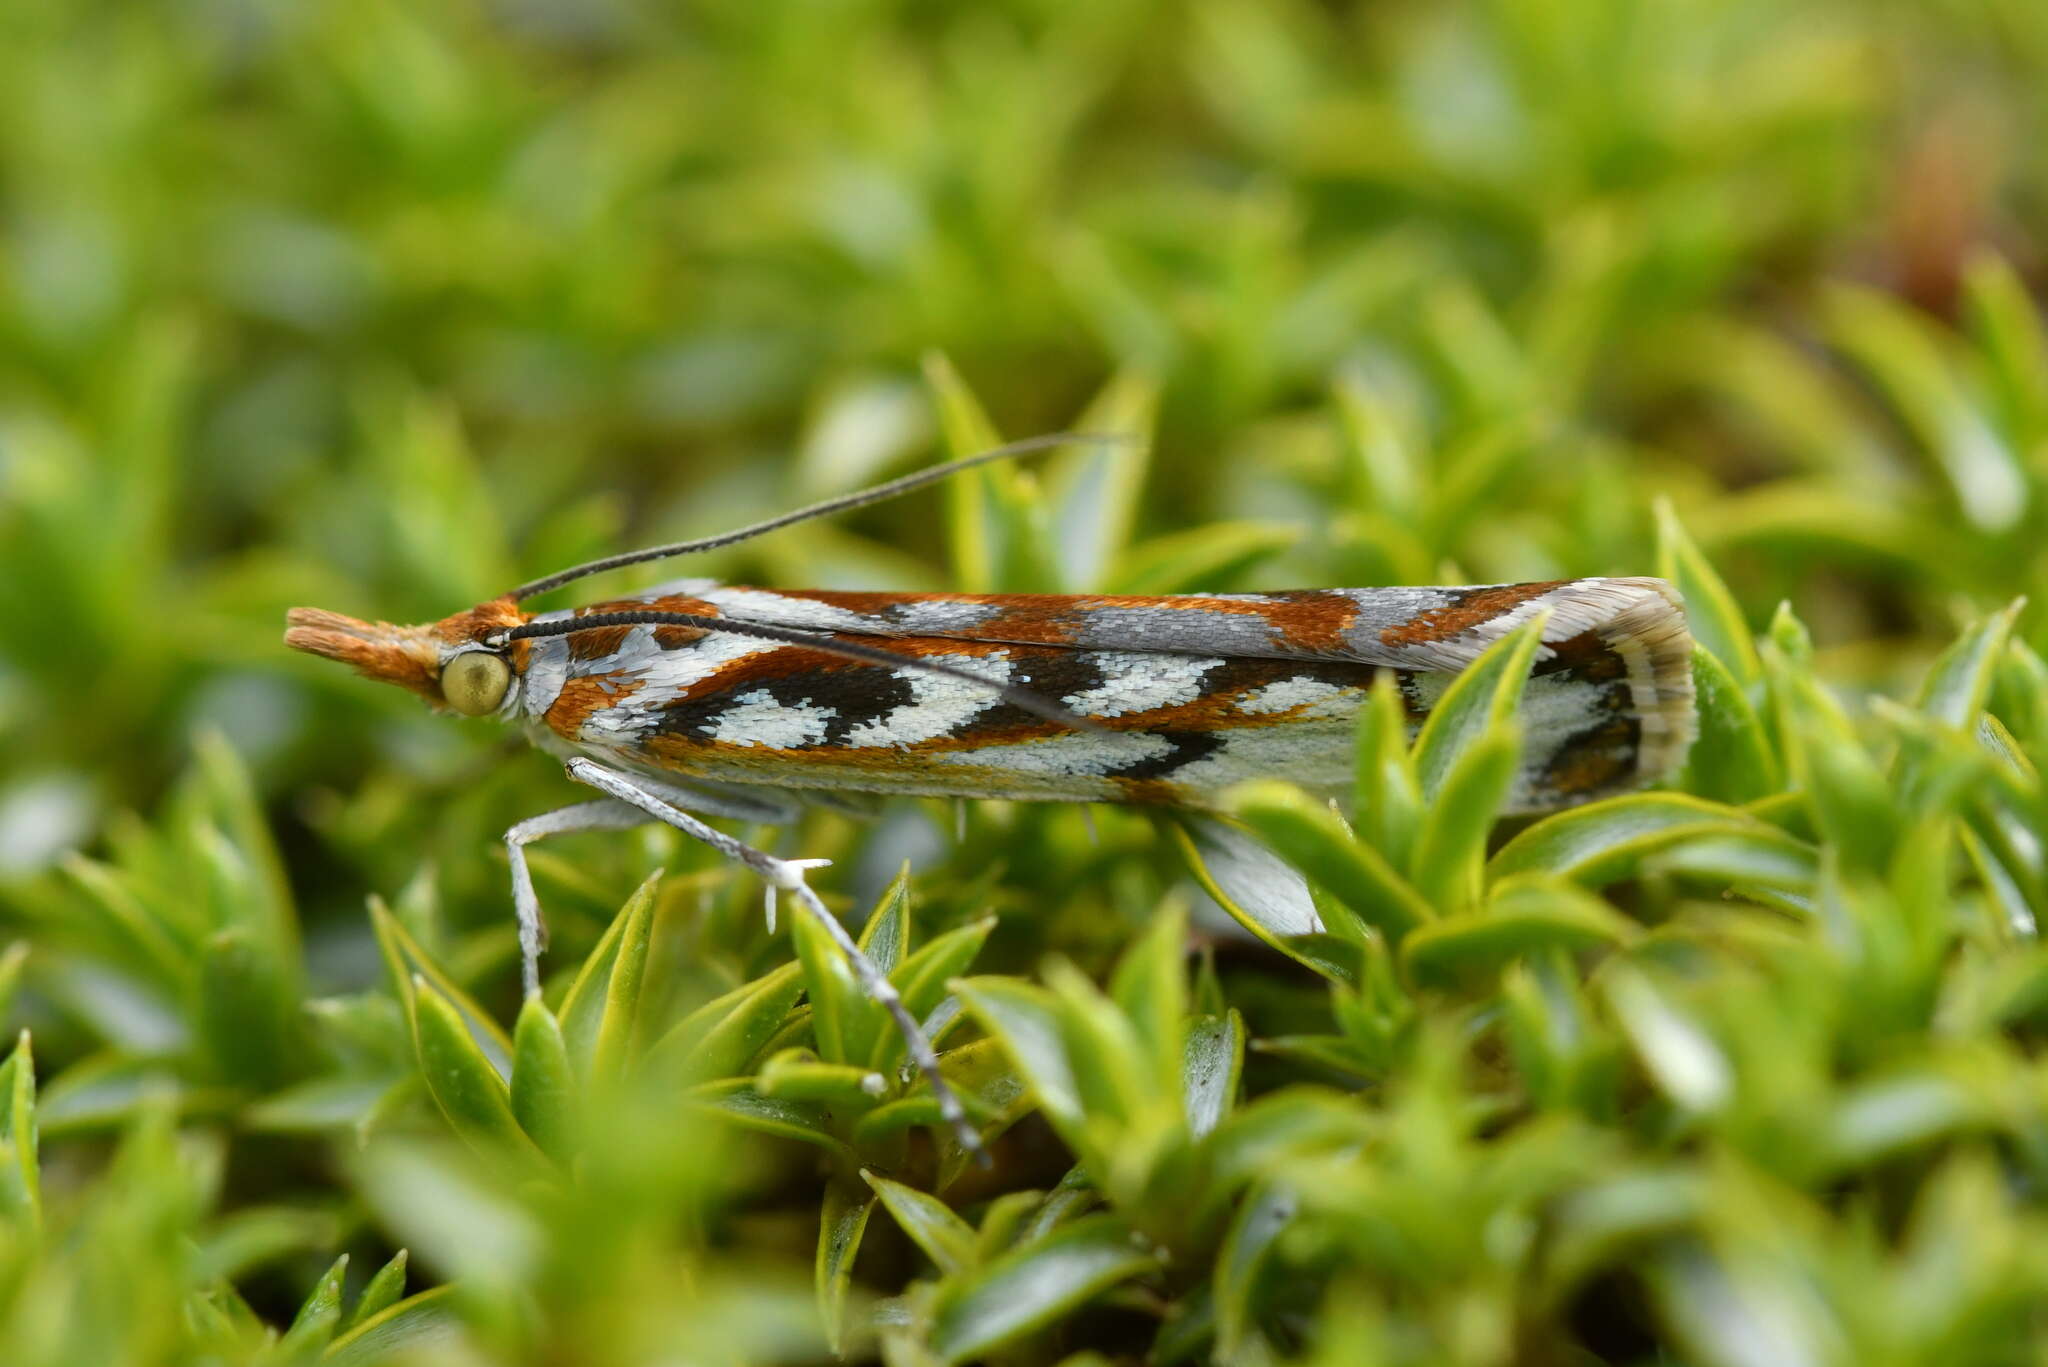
x: 1194, y: 693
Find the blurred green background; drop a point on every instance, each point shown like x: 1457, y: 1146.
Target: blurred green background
x: 383, y: 307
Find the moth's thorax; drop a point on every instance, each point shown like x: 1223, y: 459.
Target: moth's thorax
x: 570, y: 680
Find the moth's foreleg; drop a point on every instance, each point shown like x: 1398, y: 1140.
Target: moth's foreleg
x: 605, y: 814
x: 787, y: 875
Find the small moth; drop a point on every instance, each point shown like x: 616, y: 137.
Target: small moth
x: 696, y: 699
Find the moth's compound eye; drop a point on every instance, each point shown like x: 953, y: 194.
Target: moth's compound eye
x: 474, y: 682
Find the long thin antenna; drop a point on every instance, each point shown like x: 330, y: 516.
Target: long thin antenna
x: 1019, y: 697
x: 915, y: 480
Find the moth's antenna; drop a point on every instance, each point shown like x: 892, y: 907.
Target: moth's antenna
x: 1019, y: 697
x: 915, y: 480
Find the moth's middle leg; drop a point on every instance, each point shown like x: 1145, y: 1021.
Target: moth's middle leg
x: 605, y: 814
x: 787, y: 875
x: 610, y: 814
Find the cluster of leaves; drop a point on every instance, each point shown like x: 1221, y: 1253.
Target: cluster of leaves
x: 259, y: 296
x: 1738, y: 1070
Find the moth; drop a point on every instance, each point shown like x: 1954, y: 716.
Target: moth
x: 697, y: 699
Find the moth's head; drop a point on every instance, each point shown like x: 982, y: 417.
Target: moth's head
x: 451, y: 663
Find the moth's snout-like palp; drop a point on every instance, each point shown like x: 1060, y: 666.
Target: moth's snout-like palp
x: 409, y: 656
x: 406, y: 656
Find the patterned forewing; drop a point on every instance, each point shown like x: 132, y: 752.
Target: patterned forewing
x: 1176, y: 727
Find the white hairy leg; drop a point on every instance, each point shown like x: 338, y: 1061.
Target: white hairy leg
x: 606, y: 814
x: 610, y: 814
x: 787, y: 875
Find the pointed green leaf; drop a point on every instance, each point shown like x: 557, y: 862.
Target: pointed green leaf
x: 922, y: 978
x: 797, y: 1075
x: 1386, y: 459
x: 1682, y: 1059
x: 1313, y: 839
x: 158, y: 942
x: 1003, y: 1223
x: 740, y: 1101
x: 988, y: 1085
x: 618, y: 1024
x: 1112, y: 1070
x: 838, y: 1006
x: 1566, y: 1058
x: 407, y: 961
x: 1742, y: 861
x: 2005, y: 889
x: 1790, y: 636
x: 322, y: 1104
x: 717, y: 1039
x: 842, y: 1220
x: 1605, y: 842
x: 318, y: 1316
x: 1521, y: 916
x: 108, y: 1091
x: 1483, y: 695
x: 1903, y: 352
x: 258, y: 1236
x: 1092, y: 488
x: 1711, y: 611
x: 2020, y: 692
x: 1212, y: 1061
x: 1847, y: 793
x: 1026, y: 1021
x: 931, y: 1224
x: 1955, y: 689
x: 1254, y: 1230
x: 1389, y: 796
x: 1072, y: 1197
x: 382, y: 1293
x: 231, y: 798
x: 461, y: 1080
x: 1034, y: 1286
x: 251, y: 1027
x: 544, y: 1092
x: 1149, y: 987
x: 885, y: 939
x: 585, y: 1014
x: 21, y: 1187
x: 2006, y: 322
x: 1451, y: 849
x: 1199, y: 558
x: 969, y: 495
x: 1731, y: 759
x: 1261, y: 891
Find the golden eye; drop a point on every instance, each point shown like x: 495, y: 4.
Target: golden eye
x: 474, y: 682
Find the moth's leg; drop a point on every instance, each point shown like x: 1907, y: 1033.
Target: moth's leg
x: 609, y: 814
x: 766, y: 808
x: 605, y: 814
x: 787, y: 875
